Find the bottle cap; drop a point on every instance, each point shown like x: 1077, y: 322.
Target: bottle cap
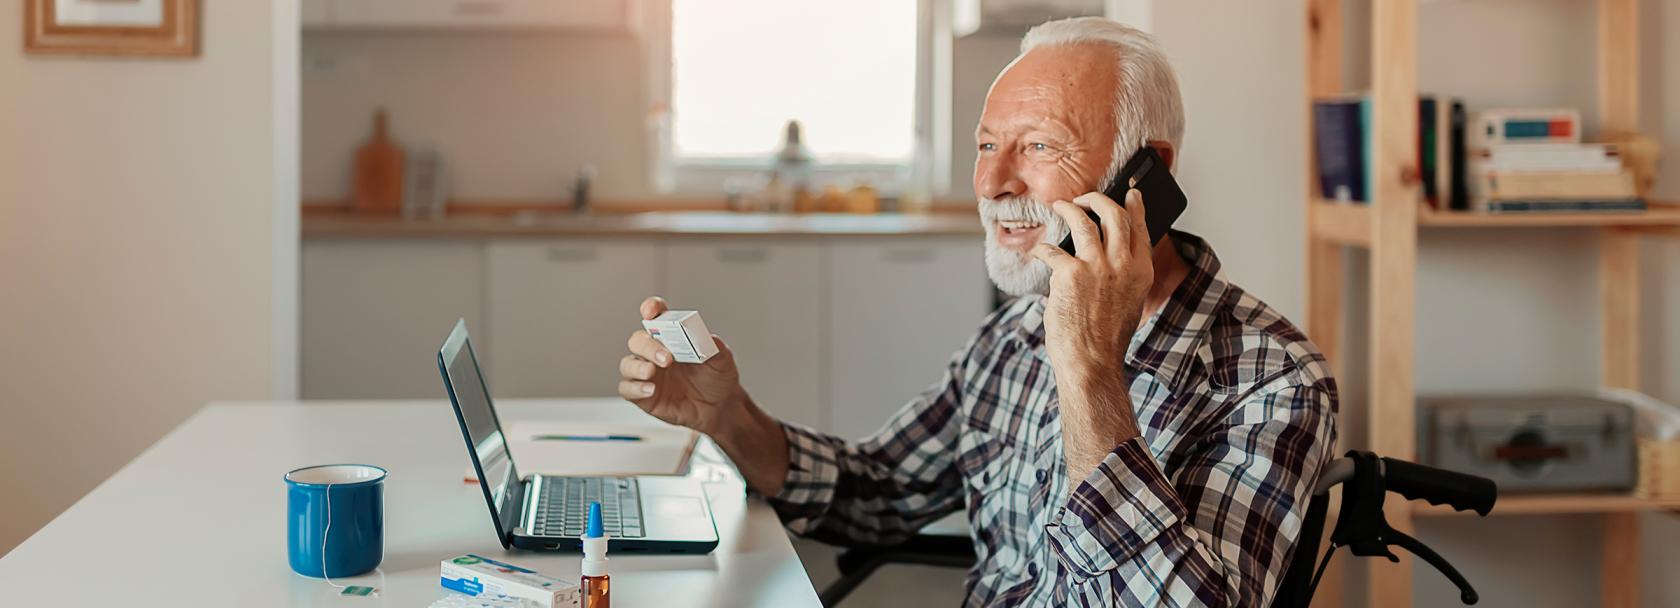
x: 594, y: 528
x: 594, y: 544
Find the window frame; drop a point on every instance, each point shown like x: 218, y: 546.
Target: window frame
x: 929, y: 167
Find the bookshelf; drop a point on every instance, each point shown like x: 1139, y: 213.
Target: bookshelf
x: 1350, y: 224
x: 1387, y: 227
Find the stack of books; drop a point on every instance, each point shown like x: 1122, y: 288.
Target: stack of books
x: 1534, y: 161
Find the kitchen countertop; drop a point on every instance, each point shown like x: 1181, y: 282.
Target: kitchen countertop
x: 656, y: 223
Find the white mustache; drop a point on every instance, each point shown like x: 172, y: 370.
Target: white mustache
x: 1023, y: 209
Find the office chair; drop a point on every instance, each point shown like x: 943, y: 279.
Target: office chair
x: 1366, y: 479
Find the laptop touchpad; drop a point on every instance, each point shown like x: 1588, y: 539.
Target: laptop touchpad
x: 672, y: 507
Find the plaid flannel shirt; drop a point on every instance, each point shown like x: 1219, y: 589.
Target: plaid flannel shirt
x: 1237, y: 411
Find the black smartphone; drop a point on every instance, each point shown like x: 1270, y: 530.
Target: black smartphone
x: 1163, y: 200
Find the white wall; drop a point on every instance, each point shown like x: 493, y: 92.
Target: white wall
x: 1497, y: 309
x: 1239, y: 70
x: 515, y: 114
x: 145, y: 267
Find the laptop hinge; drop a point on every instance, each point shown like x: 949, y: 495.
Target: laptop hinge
x: 518, y: 520
x: 529, y: 514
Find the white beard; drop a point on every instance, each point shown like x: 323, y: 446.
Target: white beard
x: 1018, y: 273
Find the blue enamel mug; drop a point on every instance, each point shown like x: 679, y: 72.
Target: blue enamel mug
x: 335, y: 519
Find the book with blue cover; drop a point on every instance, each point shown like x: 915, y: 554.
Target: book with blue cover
x: 1340, y: 147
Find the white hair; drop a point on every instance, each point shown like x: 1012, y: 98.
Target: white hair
x: 1148, y: 105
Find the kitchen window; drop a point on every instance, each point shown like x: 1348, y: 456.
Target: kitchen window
x: 864, y: 79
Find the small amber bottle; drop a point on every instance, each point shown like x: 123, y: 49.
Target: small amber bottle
x: 595, y: 584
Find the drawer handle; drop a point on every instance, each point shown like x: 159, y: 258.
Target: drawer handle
x: 743, y: 255
x: 572, y: 254
x: 920, y: 255
x: 478, y: 9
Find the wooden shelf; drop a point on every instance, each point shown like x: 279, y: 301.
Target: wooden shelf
x: 1350, y: 223
x: 1545, y: 504
x: 1659, y: 214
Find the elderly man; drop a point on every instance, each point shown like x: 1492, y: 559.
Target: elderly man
x: 1131, y: 430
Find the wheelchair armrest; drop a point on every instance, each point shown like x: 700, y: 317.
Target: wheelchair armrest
x: 857, y: 563
x: 927, y: 549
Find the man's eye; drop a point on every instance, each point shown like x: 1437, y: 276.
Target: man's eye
x: 1037, y: 147
x: 988, y: 147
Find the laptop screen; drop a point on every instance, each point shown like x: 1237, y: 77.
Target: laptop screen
x: 480, y: 427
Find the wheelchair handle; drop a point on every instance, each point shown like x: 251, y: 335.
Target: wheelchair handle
x: 1440, y: 486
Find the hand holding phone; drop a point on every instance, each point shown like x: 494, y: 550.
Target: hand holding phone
x: 1163, y: 200
x: 1096, y: 300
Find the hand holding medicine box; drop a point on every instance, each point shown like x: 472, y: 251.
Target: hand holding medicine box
x: 684, y: 334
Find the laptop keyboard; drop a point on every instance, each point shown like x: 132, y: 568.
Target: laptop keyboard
x: 563, y: 507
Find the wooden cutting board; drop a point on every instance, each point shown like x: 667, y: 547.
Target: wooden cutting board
x: 377, y: 178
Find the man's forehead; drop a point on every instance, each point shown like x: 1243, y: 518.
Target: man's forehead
x: 1050, y: 85
x: 1072, y: 69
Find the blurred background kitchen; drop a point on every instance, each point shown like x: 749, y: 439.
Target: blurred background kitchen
x: 305, y: 209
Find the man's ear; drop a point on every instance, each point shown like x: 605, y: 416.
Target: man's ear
x: 1165, y: 149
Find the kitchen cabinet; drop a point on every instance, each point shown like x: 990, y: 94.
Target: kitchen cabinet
x: 765, y: 299
x: 464, y: 14
x: 374, y: 312
x: 898, y: 310
x: 560, y: 312
x: 833, y: 332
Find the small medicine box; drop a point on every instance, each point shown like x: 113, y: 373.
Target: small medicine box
x: 684, y: 334
x: 476, y: 575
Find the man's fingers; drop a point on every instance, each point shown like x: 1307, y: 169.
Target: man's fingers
x: 644, y: 346
x: 632, y: 367
x: 635, y: 390
x: 724, y: 356
x: 1114, y: 226
x: 1052, y: 256
x: 1139, y: 242
x: 653, y: 307
x: 1085, y: 238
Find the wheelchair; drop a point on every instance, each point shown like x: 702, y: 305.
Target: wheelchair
x: 1365, y: 478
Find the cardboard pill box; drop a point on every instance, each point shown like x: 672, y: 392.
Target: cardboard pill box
x: 684, y: 334
x: 475, y: 575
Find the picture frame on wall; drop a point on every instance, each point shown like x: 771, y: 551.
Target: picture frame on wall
x: 146, y: 28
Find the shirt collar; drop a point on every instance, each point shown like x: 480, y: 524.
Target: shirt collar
x: 1169, y: 339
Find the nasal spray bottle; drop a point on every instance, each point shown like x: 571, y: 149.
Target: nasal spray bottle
x: 594, y: 585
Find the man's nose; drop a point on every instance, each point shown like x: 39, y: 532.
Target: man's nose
x: 995, y: 178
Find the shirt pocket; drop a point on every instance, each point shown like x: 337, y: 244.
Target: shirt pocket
x: 987, y: 464
x: 983, y: 460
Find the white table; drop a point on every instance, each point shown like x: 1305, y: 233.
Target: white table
x: 199, y: 518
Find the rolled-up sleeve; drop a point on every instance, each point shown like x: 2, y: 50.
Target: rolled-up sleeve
x: 1220, y: 529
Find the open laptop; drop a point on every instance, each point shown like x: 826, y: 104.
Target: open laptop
x: 642, y: 514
